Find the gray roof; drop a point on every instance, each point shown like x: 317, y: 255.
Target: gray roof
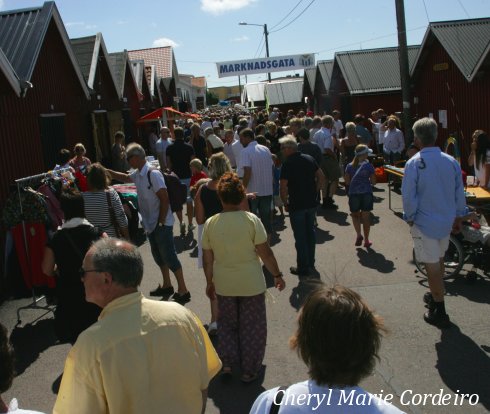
x: 22, y: 34
x: 310, y: 75
x: 467, y: 42
x: 279, y: 93
x: 87, y: 51
x: 373, y: 70
x: 326, y: 68
x: 117, y: 62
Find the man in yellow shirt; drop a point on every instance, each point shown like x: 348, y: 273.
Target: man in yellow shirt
x: 142, y: 356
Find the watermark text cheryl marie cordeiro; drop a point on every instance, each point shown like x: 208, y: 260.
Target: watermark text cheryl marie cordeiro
x: 356, y: 398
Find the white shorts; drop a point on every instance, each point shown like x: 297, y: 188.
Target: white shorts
x: 428, y: 250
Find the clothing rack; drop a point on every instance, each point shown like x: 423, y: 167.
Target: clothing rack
x: 22, y: 182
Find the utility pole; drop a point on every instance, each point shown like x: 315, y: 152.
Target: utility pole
x: 404, y: 69
x: 266, y: 35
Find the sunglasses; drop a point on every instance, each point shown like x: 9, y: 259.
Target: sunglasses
x: 82, y: 271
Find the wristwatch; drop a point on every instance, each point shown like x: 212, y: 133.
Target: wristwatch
x: 279, y: 275
x: 160, y: 224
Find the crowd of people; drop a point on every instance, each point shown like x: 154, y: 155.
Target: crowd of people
x: 237, y: 170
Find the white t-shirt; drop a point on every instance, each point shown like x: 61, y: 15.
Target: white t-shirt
x: 14, y: 408
x: 259, y: 159
x: 308, y: 397
x: 480, y: 172
x: 338, y: 126
x: 215, y: 141
x: 161, y: 146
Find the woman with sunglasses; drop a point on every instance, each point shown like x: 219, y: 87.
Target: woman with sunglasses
x: 63, y: 257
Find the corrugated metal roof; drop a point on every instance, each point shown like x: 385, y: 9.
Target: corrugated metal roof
x: 310, y: 75
x: 466, y: 41
x: 284, y: 92
x: 161, y: 57
x: 88, y: 50
x: 22, y: 34
x: 373, y: 70
x: 326, y: 68
x: 138, y: 67
x: 86, y: 53
x: 117, y: 62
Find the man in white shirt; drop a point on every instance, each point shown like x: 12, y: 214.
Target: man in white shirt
x: 256, y: 161
x: 393, y: 142
x: 330, y: 166
x: 161, y: 147
x: 228, y: 147
x: 338, y: 126
x: 157, y: 219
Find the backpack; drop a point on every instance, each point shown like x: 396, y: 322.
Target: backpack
x: 177, y: 192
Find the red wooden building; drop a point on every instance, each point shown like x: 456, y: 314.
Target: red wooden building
x: 131, y: 97
x: 451, y: 79
x: 323, y: 79
x: 43, y: 95
x: 365, y: 80
x: 105, y: 104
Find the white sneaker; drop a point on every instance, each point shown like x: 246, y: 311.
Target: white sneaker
x: 191, y: 227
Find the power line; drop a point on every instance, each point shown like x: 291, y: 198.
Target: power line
x: 258, y: 48
x: 426, y: 12
x: 296, y: 18
x: 461, y: 4
x: 287, y: 15
x: 367, y: 40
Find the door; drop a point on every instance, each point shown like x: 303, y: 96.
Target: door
x: 53, y: 138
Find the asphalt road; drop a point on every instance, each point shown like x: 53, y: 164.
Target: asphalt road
x: 415, y: 358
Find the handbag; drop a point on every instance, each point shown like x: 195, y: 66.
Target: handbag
x: 112, y: 214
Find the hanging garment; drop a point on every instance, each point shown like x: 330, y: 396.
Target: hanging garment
x: 33, y: 207
x: 55, y: 213
x: 30, y: 264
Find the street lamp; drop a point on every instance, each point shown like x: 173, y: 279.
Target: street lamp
x: 266, y: 35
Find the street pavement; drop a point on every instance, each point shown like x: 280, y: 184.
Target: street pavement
x: 415, y: 359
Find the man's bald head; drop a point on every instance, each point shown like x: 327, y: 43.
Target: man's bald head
x: 119, y: 258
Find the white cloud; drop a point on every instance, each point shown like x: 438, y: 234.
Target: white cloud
x: 164, y: 41
x: 83, y: 25
x: 71, y: 24
x: 222, y: 6
x: 240, y: 39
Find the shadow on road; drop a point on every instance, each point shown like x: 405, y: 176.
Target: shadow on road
x: 463, y: 365
x: 232, y: 396
x: 478, y: 292
x: 322, y: 236
x: 377, y: 261
x: 30, y: 341
x: 303, y: 290
x: 335, y: 217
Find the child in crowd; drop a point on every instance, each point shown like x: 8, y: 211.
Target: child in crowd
x: 197, y: 172
x: 360, y: 177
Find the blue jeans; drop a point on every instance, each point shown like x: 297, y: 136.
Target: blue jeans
x: 163, y: 247
x: 302, y: 223
x: 261, y: 206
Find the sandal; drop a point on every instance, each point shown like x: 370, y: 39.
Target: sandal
x: 248, y: 378
x: 359, y: 240
x: 367, y: 243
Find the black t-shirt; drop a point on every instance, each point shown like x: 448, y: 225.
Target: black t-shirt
x: 300, y: 169
x: 180, y: 155
x: 311, y: 148
x: 199, y: 145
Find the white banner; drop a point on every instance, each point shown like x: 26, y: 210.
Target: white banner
x: 265, y: 65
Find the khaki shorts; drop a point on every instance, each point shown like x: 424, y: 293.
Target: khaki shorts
x: 428, y: 250
x: 331, y: 168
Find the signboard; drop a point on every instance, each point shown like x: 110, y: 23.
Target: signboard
x: 265, y: 65
x: 440, y: 66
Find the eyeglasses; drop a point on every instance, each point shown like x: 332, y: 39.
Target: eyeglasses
x: 82, y: 271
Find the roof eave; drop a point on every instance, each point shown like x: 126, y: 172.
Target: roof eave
x: 99, y: 43
x: 10, y: 74
x: 480, y: 63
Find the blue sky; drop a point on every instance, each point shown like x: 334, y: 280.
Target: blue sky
x: 207, y: 31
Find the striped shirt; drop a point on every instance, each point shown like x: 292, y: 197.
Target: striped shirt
x: 259, y: 159
x: 97, y: 210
